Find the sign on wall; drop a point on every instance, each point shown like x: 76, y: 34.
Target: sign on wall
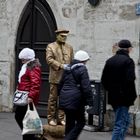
x: 94, y: 2
x: 138, y: 9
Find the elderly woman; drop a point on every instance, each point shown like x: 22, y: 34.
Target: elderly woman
x: 29, y: 80
x: 75, y: 93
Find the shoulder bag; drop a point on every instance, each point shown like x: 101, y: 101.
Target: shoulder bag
x: 20, y: 98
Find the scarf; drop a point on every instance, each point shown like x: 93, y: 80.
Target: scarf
x: 23, y: 69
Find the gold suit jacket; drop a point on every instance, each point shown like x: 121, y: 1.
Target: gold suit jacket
x: 56, y: 56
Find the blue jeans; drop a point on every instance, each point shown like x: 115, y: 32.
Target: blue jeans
x: 122, y: 121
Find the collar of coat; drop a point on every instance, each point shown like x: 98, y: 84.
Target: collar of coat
x: 123, y: 52
x: 77, y: 65
x: 33, y: 64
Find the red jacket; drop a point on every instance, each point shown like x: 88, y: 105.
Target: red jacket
x: 31, y: 81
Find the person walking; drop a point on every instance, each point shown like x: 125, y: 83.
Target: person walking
x: 118, y: 79
x: 29, y: 80
x: 58, y: 55
x: 74, y: 94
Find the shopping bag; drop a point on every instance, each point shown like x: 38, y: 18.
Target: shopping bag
x: 20, y: 98
x: 32, y: 123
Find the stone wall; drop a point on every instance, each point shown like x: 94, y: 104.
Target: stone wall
x: 93, y: 29
x: 9, y: 17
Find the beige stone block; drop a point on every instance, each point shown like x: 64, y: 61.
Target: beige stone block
x: 137, y: 124
x: 137, y: 131
x: 134, y: 128
x: 109, y: 119
x: 54, y: 132
x: 131, y: 129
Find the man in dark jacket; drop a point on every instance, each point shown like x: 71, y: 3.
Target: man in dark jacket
x: 75, y: 92
x: 118, y: 79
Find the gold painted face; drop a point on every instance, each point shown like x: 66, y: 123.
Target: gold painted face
x: 61, y: 38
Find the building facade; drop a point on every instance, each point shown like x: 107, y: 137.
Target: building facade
x: 92, y: 28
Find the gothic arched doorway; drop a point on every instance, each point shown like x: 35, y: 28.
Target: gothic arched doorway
x: 36, y: 30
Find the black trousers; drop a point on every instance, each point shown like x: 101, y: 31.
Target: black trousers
x: 75, y: 121
x: 19, y: 115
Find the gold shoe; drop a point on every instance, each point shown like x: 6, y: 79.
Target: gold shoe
x: 53, y: 123
x: 63, y: 123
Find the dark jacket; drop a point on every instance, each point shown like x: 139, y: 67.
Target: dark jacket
x: 74, y: 88
x: 31, y: 80
x: 118, y: 78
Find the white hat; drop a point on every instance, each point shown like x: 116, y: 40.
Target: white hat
x: 81, y: 55
x: 26, y: 54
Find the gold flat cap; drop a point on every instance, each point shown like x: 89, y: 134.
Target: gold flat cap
x: 62, y: 31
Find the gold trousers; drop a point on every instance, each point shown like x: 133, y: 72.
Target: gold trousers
x: 53, y: 111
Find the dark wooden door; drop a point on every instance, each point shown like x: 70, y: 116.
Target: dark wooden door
x: 36, y: 30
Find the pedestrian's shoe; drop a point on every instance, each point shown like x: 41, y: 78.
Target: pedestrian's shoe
x: 53, y: 123
x: 63, y: 123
